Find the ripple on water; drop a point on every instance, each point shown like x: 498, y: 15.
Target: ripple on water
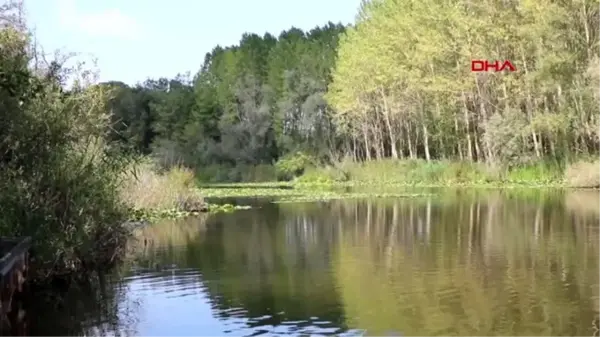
x: 173, y: 285
x: 343, y: 267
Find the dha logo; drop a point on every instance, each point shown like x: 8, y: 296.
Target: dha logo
x: 485, y: 65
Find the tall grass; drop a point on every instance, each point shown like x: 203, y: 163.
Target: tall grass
x: 421, y: 172
x: 145, y: 187
x: 439, y: 172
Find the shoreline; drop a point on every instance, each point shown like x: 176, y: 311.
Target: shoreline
x: 303, y: 185
x: 290, y: 192
x: 583, y: 173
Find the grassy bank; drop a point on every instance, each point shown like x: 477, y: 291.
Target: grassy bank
x: 302, y: 169
x: 289, y: 192
x: 298, y: 193
x: 582, y: 174
x: 145, y: 187
x: 396, y: 178
x: 153, y: 194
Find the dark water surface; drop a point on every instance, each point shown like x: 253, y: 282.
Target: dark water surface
x: 458, y: 263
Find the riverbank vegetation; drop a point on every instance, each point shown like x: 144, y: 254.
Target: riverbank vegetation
x: 291, y: 193
x: 582, y: 173
x: 60, y: 175
x: 145, y: 187
x: 392, y: 96
x: 65, y: 182
x: 406, y: 173
x: 300, y: 194
x: 153, y: 194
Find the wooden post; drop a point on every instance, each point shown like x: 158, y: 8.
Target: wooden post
x: 14, y: 267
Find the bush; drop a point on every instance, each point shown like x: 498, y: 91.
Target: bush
x: 293, y: 165
x: 60, y: 177
x: 322, y: 176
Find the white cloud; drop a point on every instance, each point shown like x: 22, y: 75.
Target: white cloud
x: 106, y: 23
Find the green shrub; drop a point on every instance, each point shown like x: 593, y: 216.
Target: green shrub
x: 293, y: 165
x: 322, y: 176
x: 535, y: 173
x: 60, y: 178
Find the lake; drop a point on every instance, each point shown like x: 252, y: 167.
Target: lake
x: 456, y: 262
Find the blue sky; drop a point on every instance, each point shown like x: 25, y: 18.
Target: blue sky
x: 136, y: 39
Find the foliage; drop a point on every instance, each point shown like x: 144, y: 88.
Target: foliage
x: 293, y: 165
x: 60, y: 176
x: 152, y: 194
x: 439, y: 173
x: 145, y: 187
x: 396, y: 85
x: 248, y: 106
x: 324, y: 175
x: 402, y: 85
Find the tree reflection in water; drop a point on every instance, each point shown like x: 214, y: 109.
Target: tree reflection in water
x: 96, y: 307
x: 461, y: 263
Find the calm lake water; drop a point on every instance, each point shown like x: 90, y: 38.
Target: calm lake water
x: 454, y: 263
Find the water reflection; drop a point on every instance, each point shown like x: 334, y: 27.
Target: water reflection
x: 496, y: 265
x: 101, y: 307
x: 463, y: 263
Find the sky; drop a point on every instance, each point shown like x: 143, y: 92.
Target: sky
x: 133, y: 40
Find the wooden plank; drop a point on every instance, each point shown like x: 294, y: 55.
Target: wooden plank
x: 12, y: 250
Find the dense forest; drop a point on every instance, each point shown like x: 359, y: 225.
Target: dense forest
x: 248, y: 105
x: 395, y: 84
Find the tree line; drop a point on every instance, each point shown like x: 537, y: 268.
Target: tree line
x: 403, y: 86
x: 395, y: 84
x: 248, y: 105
